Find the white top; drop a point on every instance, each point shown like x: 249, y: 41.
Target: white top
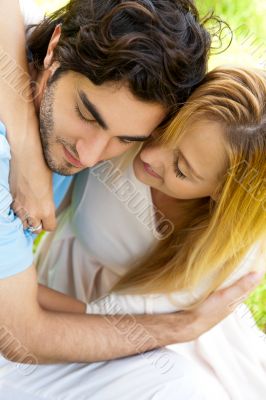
x: 113, y: 222
x: 108, y: 220
x: 68, y: 266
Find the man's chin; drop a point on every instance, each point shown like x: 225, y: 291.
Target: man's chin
x: 64, y: 170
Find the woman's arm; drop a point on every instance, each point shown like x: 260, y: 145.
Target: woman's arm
x: 52, y: 300
x: 31, y: 181
x: 115, y: 303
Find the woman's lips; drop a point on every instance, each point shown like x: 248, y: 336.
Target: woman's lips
x: 150, y: 171
x: 72, y: 159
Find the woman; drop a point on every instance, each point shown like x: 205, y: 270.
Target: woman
x: 205, y: 176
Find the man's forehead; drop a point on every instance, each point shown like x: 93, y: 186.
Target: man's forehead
x: 116, y: 108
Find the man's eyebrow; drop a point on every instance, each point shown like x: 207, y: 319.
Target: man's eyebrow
x: 95, y: 113
x: 190, y: 167
x: 92, y: 109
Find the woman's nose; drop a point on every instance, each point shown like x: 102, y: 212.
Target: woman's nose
x: 152, y: 153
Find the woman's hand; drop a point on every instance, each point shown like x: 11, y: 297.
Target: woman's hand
x: 31, y: 187
x: 30, y: 180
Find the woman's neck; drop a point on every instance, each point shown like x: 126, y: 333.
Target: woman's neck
x: 175, y: 210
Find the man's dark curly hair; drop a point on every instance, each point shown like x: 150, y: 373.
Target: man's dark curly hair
x: 159, y: 48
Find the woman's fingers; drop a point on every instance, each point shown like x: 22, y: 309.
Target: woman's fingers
x: 49, y: 219
x: 46, y: 216
x: 22, y: 214
x: 32, y: 188
x: 32, y: 224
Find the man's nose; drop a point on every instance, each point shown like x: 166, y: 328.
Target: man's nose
x: 92, y: 149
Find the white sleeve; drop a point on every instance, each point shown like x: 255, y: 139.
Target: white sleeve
x: 131, y: 304
x: 31, y: 12
x: 254, y: 261
x: 115, y: 303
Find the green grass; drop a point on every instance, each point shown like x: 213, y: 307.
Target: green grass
x: 257, y: 305
x: 239, y: 12
x: 246, y: 19
x: 51, y: 5
x: 248, y: 48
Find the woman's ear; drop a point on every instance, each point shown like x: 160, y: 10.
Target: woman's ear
x: 52, y: 45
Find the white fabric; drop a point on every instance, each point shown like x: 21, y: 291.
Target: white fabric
x: 158, y: 375
x: 142, y: 377
x: 95, y: 244
x: 83, y: 259
x: 109, y: 226
x: 114, y: 303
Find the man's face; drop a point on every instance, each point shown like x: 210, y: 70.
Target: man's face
x: 82, y: 124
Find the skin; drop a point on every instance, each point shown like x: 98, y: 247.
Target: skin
x: 41, y: 331
x: 66, y: 123
x: 193, y: 170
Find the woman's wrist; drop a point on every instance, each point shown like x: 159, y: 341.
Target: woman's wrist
x: 53, y: 300
x: 22, y: 131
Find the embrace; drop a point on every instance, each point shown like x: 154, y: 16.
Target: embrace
x: 148, y: 174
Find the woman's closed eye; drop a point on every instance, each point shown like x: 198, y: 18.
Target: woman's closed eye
x: 178, y: 172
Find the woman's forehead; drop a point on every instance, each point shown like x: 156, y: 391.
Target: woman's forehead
x: 203, y: 145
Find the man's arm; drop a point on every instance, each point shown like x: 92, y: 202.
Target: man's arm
x: 55, y: 337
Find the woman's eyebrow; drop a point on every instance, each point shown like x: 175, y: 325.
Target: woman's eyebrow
x: 92, y: 109
x: 190, y: 167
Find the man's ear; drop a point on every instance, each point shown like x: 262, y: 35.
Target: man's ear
x: 52, y: 45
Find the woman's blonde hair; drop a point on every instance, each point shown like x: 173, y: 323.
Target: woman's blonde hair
x: 215, y: 236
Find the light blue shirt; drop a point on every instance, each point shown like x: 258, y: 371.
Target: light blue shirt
x: 16, y: 253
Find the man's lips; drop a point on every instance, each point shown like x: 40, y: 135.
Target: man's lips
x: 72, y: 159
x: 150, y: 171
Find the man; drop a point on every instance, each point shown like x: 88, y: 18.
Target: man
x: 97, y: 76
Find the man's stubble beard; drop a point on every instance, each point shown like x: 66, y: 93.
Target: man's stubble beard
x: 46, y: 118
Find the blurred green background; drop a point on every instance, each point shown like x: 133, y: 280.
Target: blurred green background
x: 246, y: 18
x: 247, y: 21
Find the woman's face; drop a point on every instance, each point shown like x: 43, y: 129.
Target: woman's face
x: 193, y: 170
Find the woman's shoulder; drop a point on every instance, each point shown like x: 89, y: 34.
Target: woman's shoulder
x: 254, y: 260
